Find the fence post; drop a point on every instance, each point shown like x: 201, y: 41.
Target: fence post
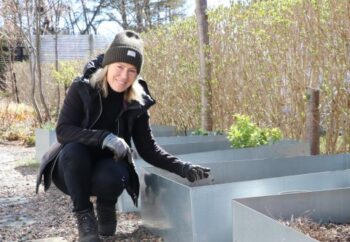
x: 313, y: 121
x: 91, y: 45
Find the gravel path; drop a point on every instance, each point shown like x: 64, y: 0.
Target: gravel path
x: 25, y: 215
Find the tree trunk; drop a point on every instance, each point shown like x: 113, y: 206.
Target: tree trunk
x: 205, y: 68
x: 32, y: 60
x: 15, y: 97
x: 57, y: 84
x: 313, y: 121
x: 139, y: 18
x: 38, y: 61
x: 14, y: 88
x: 86, y: 30
x: 346, y: 128
x: 90, y: 22
x: 57, y: 6
x: 159, y: 21
x: 123, y: 14
x: 148, y: 17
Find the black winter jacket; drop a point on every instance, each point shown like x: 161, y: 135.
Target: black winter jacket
x: 81, y: 110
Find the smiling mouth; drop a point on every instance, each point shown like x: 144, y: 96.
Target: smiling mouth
x: 121, y: 82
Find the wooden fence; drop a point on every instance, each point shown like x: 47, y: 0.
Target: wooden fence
x: 71, y: 47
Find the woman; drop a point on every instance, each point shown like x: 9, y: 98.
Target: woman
x: 102, y: 111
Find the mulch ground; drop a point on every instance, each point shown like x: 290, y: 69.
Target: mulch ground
x: 324, y: 232
x: 25, y: 215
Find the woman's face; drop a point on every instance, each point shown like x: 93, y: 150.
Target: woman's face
x: 120, y: 76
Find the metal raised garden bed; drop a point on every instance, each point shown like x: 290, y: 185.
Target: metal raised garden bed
x: 163, y: 130
x: 180, y: 211
x: 256, y: 218
x: 189, y: 144
x: 44, y: 138
x: 279, y: 149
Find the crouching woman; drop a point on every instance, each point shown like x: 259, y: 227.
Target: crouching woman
x: 103, y: 110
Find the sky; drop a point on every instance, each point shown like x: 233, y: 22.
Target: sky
x: 211, y: 4
x: 110, y: 29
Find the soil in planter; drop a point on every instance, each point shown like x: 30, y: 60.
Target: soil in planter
x: 325, y: 232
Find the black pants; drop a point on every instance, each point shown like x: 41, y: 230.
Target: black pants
x: 83, y: 171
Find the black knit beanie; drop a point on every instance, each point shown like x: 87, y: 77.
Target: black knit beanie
x: 127, y: 47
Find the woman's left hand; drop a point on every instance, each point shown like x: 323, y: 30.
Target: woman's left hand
x: 196, y: 172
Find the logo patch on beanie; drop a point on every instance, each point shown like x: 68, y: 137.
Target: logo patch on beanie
x: 131, y: 53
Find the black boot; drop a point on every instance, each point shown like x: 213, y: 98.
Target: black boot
x: 87, y: 226
x: 106, y: 219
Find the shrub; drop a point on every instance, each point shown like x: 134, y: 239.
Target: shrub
x: 244, y: 133
x: 262, y: 58
x: 68, y: 70
x: 49, y: 125
x: 17, y: 122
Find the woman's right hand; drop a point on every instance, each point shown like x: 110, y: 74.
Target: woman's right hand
x: 117, y: 145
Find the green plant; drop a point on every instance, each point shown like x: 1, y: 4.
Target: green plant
x: 66, y: 73
x: 244, y: 133
x: 29, y: 140
x: 199, y: 131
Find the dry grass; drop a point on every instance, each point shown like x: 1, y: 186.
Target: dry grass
x: 17, y: 122
x: 51, y: 90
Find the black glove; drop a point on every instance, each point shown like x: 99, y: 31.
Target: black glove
x: 117, y: 145
x: 195, y: 172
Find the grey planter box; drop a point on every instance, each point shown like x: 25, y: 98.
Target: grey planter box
x: 180, y: 211
x: 189, y: 144
x: 183, y: 145
x: 178, y: 145
x: 284, y: 148
x: 163, y: 130
x: 43, y: 140
x: 256, y: 218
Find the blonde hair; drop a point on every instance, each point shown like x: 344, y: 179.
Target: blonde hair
x: 134, y: 92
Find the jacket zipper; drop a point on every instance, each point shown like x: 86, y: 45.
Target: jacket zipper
x: 121, y: 113
x: 117, y: 119
x: 118, y: 127
x: 99, y: 115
